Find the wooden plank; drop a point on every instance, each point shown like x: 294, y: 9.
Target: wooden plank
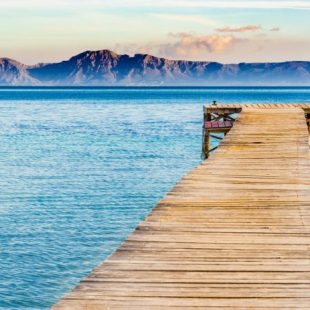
x: 234, y: 233
x: 218, y: 124
x: 236, y: 106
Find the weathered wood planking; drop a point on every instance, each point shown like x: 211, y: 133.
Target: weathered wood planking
x: 259, y: 105
x: 232, y: 234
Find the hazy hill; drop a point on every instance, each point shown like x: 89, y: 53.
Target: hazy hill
x: 108, y: 68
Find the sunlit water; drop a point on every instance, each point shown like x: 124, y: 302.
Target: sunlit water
x: 81, y: 167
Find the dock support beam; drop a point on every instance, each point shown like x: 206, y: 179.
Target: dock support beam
x: 216, y: 120
x: 307, y: 115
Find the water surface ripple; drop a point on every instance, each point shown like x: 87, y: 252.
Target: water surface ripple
x: 81, y: 167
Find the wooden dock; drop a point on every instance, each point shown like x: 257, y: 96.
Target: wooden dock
x: 234, y: 233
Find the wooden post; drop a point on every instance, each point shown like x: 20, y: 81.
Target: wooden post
x: 207, y: 144
x: 206, y: 134
x: 308, y: 121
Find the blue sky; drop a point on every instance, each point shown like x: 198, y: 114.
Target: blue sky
x: 227, y: 31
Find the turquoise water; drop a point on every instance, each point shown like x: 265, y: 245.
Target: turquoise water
x: 81, y: 167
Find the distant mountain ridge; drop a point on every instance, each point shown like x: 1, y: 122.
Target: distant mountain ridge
x: 106, y: 68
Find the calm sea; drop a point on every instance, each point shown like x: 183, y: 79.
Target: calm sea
x: 81, y: 167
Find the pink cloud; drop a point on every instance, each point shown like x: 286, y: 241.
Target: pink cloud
x: 240, y: 29
x: 191, y: 45
x: 184, y: 45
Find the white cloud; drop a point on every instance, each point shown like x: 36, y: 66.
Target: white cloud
x: 238, y: 4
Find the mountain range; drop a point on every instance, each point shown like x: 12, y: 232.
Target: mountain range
x: 106, y: 68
